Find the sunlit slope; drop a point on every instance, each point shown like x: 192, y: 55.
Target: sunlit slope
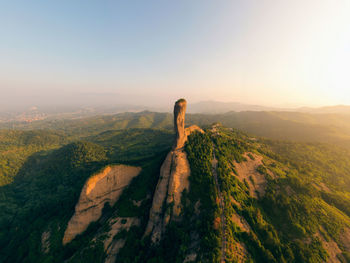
x: 249, y: 199
x: 16, y: 146
x: 275, y: 209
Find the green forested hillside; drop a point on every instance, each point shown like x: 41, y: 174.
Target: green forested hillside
x: 295, y: 126
x: 133, y: 143
x: 43, y: 195
x: 275, y: 201
x: 298, y: 217
x: 16, y: 146
x: 294, y: 219
x: 47, y: 186
x: 302, y: 127
x: 95, y: 125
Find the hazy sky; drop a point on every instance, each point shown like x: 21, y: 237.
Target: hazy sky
x: 271, y: 52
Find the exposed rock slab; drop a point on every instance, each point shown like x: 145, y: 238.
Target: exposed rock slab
x: 247, y: 171
x: 178, y: 180
x: 99, y: 189
x: 112, y: 246
x: 237, y: 252
x: 331, y: 247
x: 154, y: 225
x: 240, y: 222
x: 191, y: 129
x: 173, y: 180
x: 45, y: 241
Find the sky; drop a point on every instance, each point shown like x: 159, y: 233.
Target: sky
x: 277, y: 53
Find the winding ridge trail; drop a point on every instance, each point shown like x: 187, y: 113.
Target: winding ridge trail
x: 214, y: 164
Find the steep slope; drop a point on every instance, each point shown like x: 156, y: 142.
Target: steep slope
x: 272, y: 210
x: 17, y: 146
x: 99, y: 189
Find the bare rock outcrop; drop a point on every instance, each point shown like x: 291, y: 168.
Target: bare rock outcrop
x: 179, y: 123
x: 247, y: 172
x: 191, y: 129
x: 99, y: 189
x: 113, y: 245
x: 173, y: 179
x: 45, y: 241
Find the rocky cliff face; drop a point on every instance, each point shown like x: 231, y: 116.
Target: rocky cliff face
x: 173, y: 179
x: 99, y: 189
x: 179, y: 124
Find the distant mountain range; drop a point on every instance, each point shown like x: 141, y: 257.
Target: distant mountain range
x: 223, y: 107
x: 339, y: 109
x: 215, y: 107
x: 35, y: 113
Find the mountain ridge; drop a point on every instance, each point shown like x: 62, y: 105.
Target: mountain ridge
x: 37, y: 113
x: 262, y: 200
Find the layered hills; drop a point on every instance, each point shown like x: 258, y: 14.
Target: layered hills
x: 93, y: 191
x: 295, y: 126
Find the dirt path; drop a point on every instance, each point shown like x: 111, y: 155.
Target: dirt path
x: 214, y: 164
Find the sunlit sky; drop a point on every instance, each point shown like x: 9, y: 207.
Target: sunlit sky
x: 279, y: 53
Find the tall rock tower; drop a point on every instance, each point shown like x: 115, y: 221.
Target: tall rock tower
x: 179, y: 123
x: 173, y: 178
